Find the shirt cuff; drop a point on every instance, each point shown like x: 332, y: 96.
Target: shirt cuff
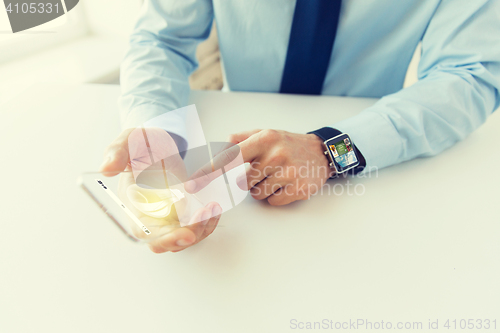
x: 375, y: 136
x: 156, y: 116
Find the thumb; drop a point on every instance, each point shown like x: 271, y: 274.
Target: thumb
x: 242, y: 136
x: 116, y: 155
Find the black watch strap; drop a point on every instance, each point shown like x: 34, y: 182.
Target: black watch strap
x: 327, y: 133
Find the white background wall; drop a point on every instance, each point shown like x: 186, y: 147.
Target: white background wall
x: 111, y: 17
x: 86, y: 45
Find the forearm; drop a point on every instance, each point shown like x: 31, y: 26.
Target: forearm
x: 458, y: 88
x: 161, y: 56
x: 421, y: 120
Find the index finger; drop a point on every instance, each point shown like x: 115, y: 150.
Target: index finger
x: 224, y: 161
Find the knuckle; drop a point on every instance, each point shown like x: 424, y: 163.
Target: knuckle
x: 226, y: 157
x: 270, y: 135
x: 115, y: 147
x: 120, y: 150
x: 112, y: 146
x: 204, y: 174
x: 281, y: 150
x: 279, y: 157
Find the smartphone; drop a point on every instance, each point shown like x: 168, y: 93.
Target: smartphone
x: 155, y: 202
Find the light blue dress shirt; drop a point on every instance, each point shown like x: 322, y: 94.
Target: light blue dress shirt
x: 459, y: 71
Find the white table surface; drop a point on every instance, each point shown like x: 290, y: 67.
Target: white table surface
x: 421, y: 243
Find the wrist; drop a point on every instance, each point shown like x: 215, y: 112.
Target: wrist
x: 319, y: 150
x: 316, y: 142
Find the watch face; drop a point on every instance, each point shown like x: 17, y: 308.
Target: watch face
x: 343, y: 154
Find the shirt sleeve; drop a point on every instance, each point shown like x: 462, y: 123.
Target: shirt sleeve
x: 458, y: 88
x: 161, y: 56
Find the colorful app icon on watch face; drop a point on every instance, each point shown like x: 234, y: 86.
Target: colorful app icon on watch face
x: 343, y: 154
x: 334, y: 151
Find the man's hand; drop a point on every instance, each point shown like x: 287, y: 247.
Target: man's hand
x: 139, y: 149
x: 285, y: 166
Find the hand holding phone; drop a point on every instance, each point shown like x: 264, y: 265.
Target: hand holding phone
x: 148, y: 160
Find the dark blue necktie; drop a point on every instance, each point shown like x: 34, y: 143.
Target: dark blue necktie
x: 310, y: 47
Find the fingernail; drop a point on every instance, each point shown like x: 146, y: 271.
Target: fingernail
x: 190, y: 186
x: 183, y: 242
x: 206, y: 216
x: 216, y: 210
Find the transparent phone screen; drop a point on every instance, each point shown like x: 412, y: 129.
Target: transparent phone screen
x: 151, y: 201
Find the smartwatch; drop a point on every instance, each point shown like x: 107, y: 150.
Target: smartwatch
x: 342, y: 154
